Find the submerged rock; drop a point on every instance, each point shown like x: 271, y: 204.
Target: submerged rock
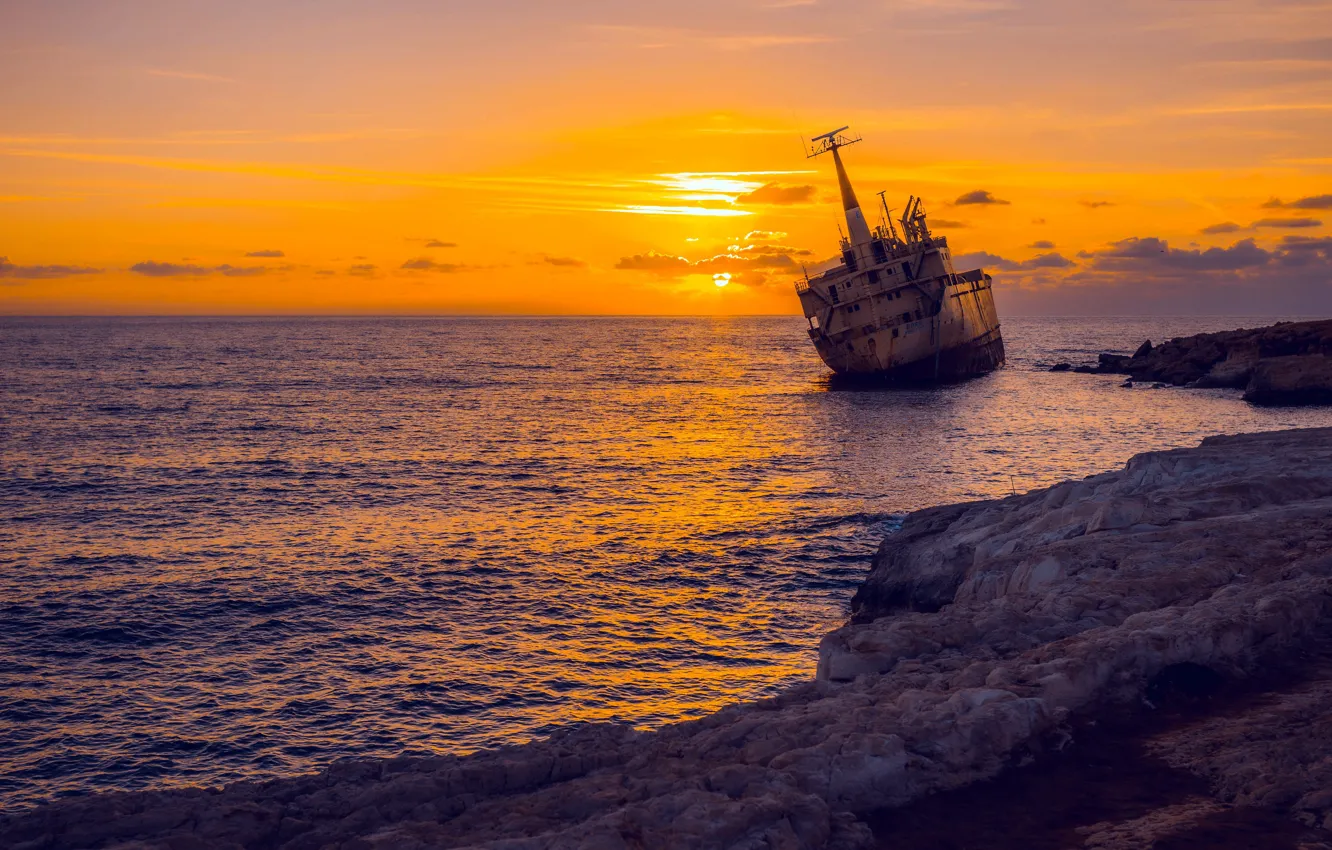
x: 979, y: 630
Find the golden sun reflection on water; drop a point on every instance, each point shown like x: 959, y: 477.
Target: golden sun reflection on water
x: 252, y: 547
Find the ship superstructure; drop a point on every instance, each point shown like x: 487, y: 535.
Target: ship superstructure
x: 895, y: 308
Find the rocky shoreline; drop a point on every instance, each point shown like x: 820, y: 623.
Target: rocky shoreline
x: 987, y: 636
x: 1289, y: 363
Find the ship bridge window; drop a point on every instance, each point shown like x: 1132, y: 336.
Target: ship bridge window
x: 832, y: 291
x: 880, y: 256
x: 873, y: 275
x: 906, y: 317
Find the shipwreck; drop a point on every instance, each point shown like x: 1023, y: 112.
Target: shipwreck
x: 895, y: 309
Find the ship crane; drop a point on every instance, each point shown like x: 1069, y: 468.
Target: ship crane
x: 889, y: 233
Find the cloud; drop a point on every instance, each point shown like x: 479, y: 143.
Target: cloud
x: 11, y: 271
x: 425, y: 264
x: 1096, y: 205
x: 266, y: 253
x: 1047, y: 261
x: 155, y: 269
x: 1223, y: 227
x: 652, y: 38
x: 242, y: 271
x: 979, y: 259
x: 1313, y: 202
x: 325, y: 272
x: 757, y: 42
x: 980, y: 196
x: 363, y: 270
x: 1147, y: 276
x: 763, y: 235
x: 984, y: 259
x: 1306, y: 243
x: 764, y: 261
x: 654, y: 262
x: 1042, y: 245
x: 773, y: 193
x: 1288, y: 222
x: 945, y: 7
x: 1156, y: 255
x: 1240, y: 109
x: 769, y: 250
x: 947, y: 224
x: 747, y: 271
x: 749, y: 265
x: 435, y: 243
x: 660, y: 209
x: 563, y: 262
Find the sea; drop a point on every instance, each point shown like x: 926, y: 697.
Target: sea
x: 236, y: 548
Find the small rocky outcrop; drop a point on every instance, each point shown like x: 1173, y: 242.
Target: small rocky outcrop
x: 1299, y: 379
x: 1292, y: 357
x: 981, y: 631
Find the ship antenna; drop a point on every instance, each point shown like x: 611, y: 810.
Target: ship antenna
x: 831, y: 142
x: 828, y: 142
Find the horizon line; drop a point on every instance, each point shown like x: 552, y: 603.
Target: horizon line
x: 8, y: 316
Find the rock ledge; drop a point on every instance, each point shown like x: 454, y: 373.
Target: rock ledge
x: 1289, y: 363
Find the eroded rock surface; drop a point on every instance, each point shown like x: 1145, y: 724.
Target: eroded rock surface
x: 1300, y: 379
x: 979, y: 629
x: 1276, y: 753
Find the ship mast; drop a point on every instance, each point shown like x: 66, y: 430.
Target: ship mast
x: 832, y: 142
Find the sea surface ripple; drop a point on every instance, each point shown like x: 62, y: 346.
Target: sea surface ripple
x: 232, y: 548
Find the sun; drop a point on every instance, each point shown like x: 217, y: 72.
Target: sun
x: 721, y: 278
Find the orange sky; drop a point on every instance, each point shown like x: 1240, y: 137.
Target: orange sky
x: 514, y: 156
